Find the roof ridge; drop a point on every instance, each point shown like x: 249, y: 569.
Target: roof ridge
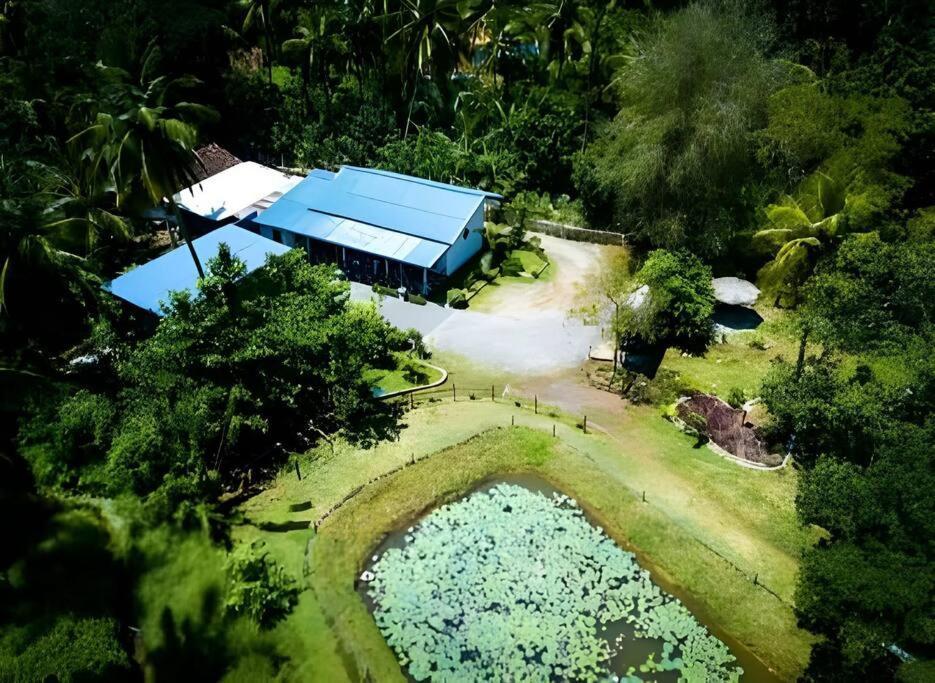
x: 422, y: 181
x: 374, y: 225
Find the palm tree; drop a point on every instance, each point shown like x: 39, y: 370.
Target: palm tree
x: 29, y: 248
x: 145, y: 139
x: 261, y: 12
x: 798, y: 230
x: 435, y: 35
x: 80, y: 208
x: 321, y: 43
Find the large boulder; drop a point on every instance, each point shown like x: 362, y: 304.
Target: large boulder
x: 728, y: 428
x: 735, y: 291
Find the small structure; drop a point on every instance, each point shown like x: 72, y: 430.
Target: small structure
x: 733, y: 310
x: 235, y: 193
x: 380, y: 226
x: 148, y: 285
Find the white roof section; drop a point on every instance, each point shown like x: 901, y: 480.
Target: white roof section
x: 381, y: 242
x: 236, y: 192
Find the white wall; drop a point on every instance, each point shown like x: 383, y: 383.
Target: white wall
x: 463, y: 249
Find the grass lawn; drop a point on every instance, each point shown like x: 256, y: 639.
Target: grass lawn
x: 737, y: 363
x: 388, y: 381
x: 706, y: 528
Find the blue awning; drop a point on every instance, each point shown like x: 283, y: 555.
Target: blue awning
x: 149, y: 285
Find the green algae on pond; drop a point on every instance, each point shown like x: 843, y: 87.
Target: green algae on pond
x: 512, y: 584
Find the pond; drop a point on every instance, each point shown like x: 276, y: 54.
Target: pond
x: 514, y: 582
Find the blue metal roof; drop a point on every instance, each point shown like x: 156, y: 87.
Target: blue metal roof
x: 148, y: 285
x: 413, y: 206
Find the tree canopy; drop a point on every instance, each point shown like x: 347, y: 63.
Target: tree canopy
x: 230, y: 381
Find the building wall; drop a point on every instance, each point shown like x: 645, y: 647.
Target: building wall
x: 290, y: 239
x: 463, y: 249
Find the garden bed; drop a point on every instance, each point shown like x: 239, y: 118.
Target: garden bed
x: 409, y: 373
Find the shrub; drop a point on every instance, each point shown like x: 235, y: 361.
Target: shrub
x: 663, y: 389
x: 697, y: 426
x: 73, y: 649
x: 736, y: 397
x: 417, y: 299
x: 456, y: 298
x: 259, y: 586
x: 414, y: 373
x: 385, y: 291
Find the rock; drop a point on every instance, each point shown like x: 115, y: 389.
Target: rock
x: 734, y: 291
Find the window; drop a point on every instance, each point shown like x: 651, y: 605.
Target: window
x: 277, y: 235
x: 465, y: 233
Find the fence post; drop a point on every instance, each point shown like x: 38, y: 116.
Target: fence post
x: 454, y: 393
x: 512, y: 420
x: 553, y: 431
x: 536, y: 404
x: 491, y: 393
x: 585, y: 424
x: 755, y: 578
x: 412, y: 400
x: 298, y: 474
x: 644, y: 495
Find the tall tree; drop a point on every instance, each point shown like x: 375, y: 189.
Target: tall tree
x: 145, y: 138
x: 260, y: 13
x: 675, y: 165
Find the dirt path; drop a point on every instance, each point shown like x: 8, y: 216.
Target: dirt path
x: 571, y: 264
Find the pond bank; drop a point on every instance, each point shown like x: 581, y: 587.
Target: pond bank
x: 636, y: 649
x: 749, y: 615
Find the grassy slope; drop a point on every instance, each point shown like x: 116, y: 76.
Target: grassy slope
x: 698, y: 507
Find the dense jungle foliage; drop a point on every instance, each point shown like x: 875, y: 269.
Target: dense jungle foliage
x: 789, y: 142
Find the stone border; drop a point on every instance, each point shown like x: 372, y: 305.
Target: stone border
x: 422, y: 387
x: 727, y: 455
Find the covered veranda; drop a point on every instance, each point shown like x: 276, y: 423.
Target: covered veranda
x: 368, y: 268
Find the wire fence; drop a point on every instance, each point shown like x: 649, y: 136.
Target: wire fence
x: 503, y: 394
x: 573, y: 232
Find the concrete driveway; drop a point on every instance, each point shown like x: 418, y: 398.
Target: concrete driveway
x: 538, y: 345
x: 525, y: 328
x: 401, y: 313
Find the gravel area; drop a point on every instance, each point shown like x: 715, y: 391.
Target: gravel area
x: 524, y: 327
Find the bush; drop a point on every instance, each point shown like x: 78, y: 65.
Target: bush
x: 385, y: 291
x: 736, y: 397
x: 665, y: 388
x: 260, y: 587
x: 417, y: 299
x: 456, y: 298
x: 73, y: 649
